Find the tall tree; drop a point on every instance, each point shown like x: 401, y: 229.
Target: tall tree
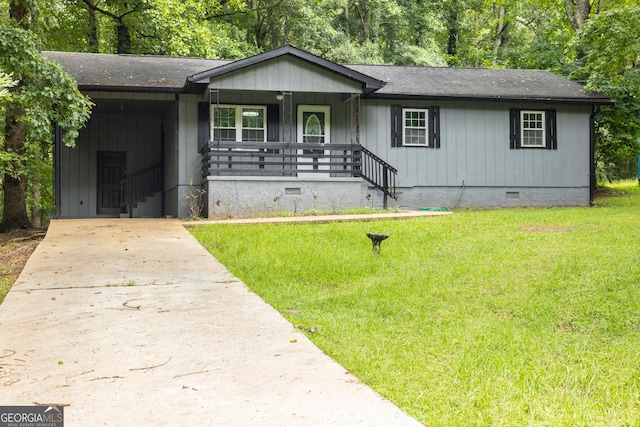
x: 578, y: 12
x: 611, y: 45
x: 43, y: 95
x: 161, y: 27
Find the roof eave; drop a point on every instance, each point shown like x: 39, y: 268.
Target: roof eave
x: 102, y: 88
x: 497, y: 98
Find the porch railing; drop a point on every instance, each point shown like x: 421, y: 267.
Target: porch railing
x: 136, y: 187
x: 380, y: 174
x: 297, y: 159
x: 280, y: 159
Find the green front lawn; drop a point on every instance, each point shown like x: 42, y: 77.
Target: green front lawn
x: 504, y: 317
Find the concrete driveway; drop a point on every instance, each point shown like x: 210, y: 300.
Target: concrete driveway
x: 131, y: 322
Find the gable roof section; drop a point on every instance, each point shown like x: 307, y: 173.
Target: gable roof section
x: 109, y: 72
x: 369, y: 84
x: 96, y: 71
x: 478, y: 84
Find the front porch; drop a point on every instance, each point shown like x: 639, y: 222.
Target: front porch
x: 268, y: 178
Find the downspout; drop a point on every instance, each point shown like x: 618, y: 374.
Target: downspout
x: 592, y: 154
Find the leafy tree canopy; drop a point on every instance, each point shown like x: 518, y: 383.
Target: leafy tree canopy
x: 5, y: 83
x: 611, y: 65
x: 47, y: 93
x: 43, y: 94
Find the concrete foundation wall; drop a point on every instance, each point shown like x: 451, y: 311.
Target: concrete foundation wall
x: 481, y: 197
x: 229, y: 197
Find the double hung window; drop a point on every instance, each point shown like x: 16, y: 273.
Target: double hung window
x: 415, y: 127
x: 239, y: 123
x: 533, y: 129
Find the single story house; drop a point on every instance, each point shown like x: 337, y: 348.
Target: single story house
x: 288, y: 130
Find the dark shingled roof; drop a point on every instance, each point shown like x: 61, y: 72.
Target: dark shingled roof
x: 95, y: 71
x: 475, y: 83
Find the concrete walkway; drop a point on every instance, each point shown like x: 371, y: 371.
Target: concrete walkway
x: 133, y: 323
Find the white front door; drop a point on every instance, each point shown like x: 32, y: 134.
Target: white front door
x: 314, y: 127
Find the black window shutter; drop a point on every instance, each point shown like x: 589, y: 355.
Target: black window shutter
x: 273, y: 122
x: 514, y: 128
x: 396, y: 125
x: 552, y: 137
x: 204, y: 128
x: 434, y: 127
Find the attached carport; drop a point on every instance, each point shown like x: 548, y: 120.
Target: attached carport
x: 129, y: 150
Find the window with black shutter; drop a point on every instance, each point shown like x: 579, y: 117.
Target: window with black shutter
x: 532, y: 129
x: 415, y: 127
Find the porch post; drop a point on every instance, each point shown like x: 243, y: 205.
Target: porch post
x: 287, y: 117
x: 355, y: 118
x: 354, y: 101
x: 287, y: 127
x: 214, y: 95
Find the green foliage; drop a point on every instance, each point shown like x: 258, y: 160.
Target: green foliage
x: 44, y: 94
x: 612, y: 66
x: 162, y: 27
x: 48, y: 94
x: 5, y: 83
x: 614, y: 166
x: 497, y: 317
x: 603, y: 53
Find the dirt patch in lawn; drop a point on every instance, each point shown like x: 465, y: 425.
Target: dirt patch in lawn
x: 15, y: 249
x: 546, y: 229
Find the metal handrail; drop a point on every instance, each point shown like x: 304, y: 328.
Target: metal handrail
x: 140, y: 185
x: 380, y: 174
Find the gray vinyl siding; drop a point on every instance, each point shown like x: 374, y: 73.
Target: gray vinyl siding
x: 189, y: 160
x: 475, y: 147
x: 340, y: 111
x: 137, y: 134
x: 171, y: 161
x: 286, y: 74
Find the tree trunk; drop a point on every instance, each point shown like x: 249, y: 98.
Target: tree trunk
x: 92, y: 34
x: 259, y: 31
x: 346, y: 18
x: 19, y: 11
x: 124, y: 38
x: 578, y: 12
x: 501, y: 39
x: 14, y: 211
x: 452, y: 24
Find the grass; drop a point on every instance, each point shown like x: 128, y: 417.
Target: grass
x: 5, y: 283
x: 506, y: 317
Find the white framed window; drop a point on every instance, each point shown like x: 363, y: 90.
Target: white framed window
x: 239, y: 123
x: 533, y: 128
x: 415, y: 126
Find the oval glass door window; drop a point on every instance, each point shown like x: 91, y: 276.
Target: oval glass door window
x: 313, y: 128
